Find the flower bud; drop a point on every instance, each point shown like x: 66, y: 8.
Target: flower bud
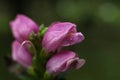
x: 22, y: 26
x: 61, y: 34
x: 21, y: 54
x: 63, y: 61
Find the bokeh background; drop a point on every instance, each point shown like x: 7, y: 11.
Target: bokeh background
x: 98, y: 20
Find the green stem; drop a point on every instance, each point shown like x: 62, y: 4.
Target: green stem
x: 39, y: 63
x: 47, y: 76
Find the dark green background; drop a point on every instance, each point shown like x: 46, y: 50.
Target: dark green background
x: 98, y: 20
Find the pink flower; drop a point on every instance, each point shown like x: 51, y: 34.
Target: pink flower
x: 61, y: 34
x: 22, y: 26
x: 21, y: 54
x: 63, y: 61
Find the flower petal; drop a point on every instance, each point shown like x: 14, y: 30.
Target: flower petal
x: 21, y: 55
x: 73, y: 38
x: 63, y: 61
x: 22, y: 26
x: 55, y: 35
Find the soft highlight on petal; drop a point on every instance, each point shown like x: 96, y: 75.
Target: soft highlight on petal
x: 73, y: 38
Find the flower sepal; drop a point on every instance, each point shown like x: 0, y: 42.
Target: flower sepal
x: 42, y: 30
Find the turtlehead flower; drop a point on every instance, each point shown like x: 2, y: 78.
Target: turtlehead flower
x: 61, y: 34
x: 22, y: 26
x: 63, y: 61
x: 21, y: 54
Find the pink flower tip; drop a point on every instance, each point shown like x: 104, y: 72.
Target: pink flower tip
x: 63, y: 61
x: 22, y: 26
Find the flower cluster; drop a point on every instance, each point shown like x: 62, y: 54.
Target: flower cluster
x: 41, y: 48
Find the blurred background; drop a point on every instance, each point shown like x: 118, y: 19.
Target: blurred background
x: 98, y: 20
